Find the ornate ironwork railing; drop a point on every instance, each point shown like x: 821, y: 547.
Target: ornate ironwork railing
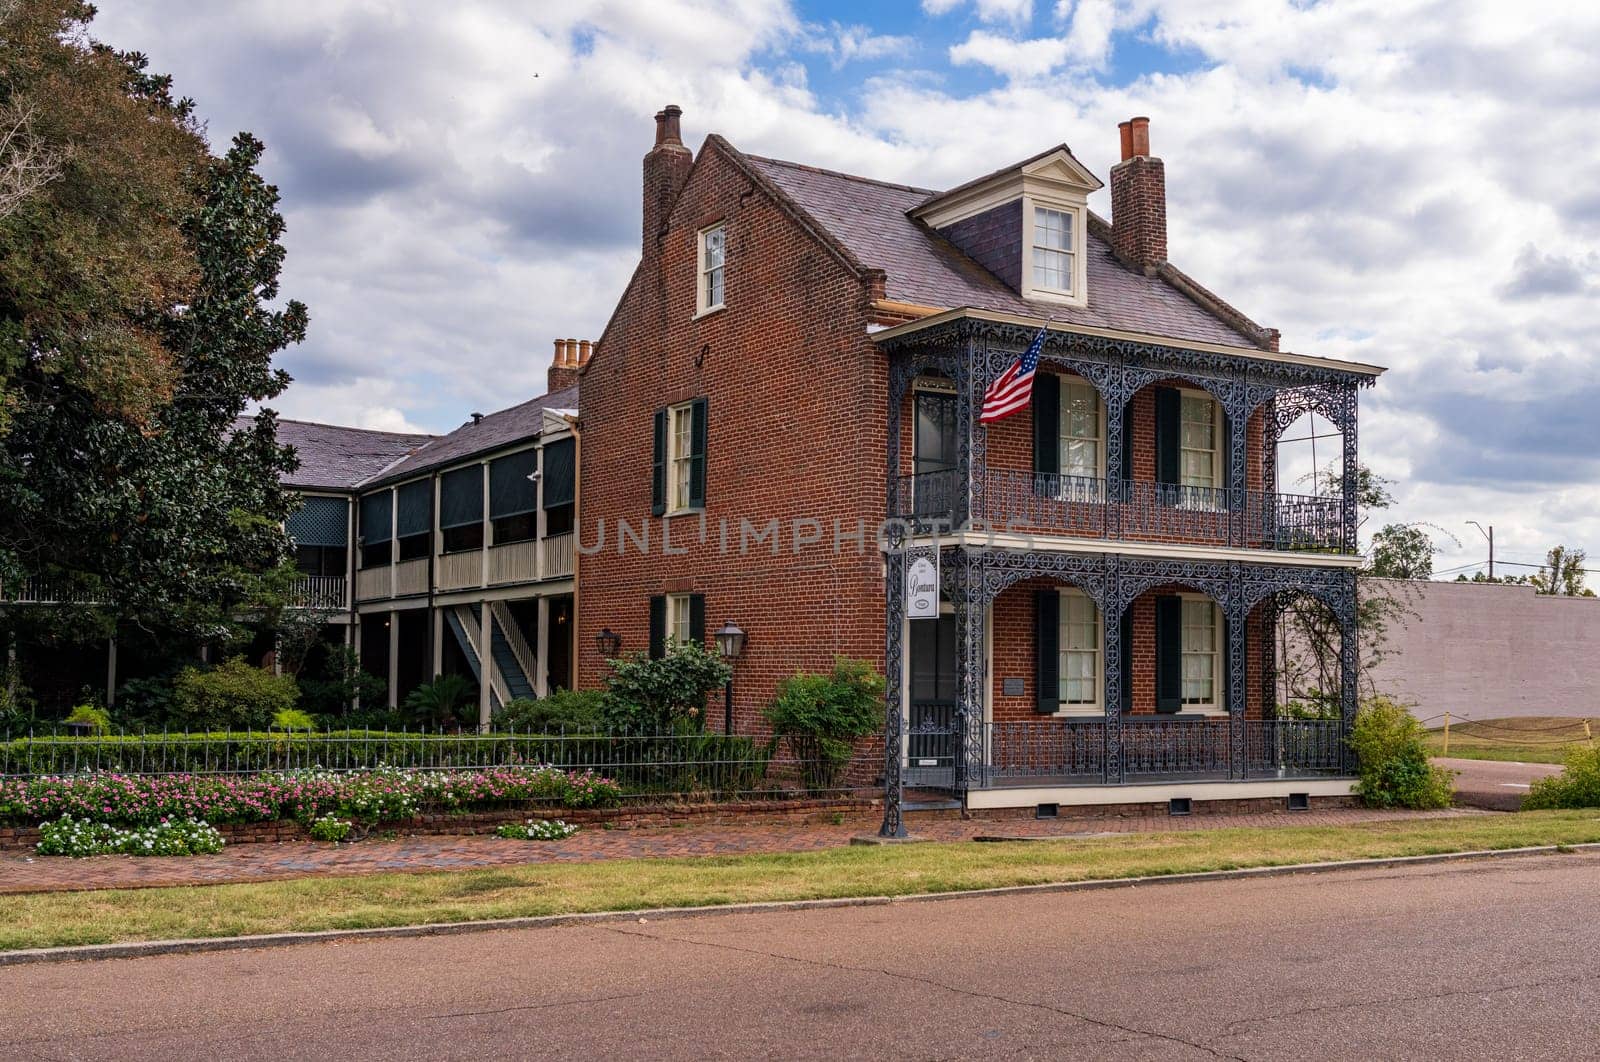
x: 1026, y: 502
x: 1073, y: 751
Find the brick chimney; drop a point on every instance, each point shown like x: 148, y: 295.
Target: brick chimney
x: 666, y: 167
x: 571, y: 356
x: 1138, y: 200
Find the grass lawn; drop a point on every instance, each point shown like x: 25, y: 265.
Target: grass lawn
x: 46, y: 919
x: 1532, y: 739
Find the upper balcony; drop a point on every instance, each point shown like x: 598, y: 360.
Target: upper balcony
x: 1125, y: 438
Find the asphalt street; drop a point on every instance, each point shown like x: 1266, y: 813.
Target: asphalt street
x: 1496, y: 784
x: 1492, y: 959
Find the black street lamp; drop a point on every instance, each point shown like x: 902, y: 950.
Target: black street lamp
x: 730, y: 644
x: 609, y: 643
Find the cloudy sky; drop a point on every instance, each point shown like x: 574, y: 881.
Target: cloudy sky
x: 1405, y: 182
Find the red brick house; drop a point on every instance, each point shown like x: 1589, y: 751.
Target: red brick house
x: 780, y: 422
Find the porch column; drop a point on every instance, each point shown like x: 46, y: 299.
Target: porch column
x: 111, y: 670
x: 1238, y: 471
x: 971, y: 437
x: 1350, y: 468
x: 971, y: 607
x: 541, y: 663
x: 893, y: 720
x: 394, y: 656
x: 1239, y: 765
x: 485, y: 665
x: 1349, y: 675
x: 1115, y: 401
x: 1111, y: 653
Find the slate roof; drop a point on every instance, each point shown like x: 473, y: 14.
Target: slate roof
x: 496, y: 430
x: 869, y: 218
x: 338, y: 458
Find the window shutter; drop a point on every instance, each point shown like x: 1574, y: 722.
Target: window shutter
x: 697, y: 619
x: 375, y: 517
x: 1046, y: 431
x: 1125, y: 653
x: 1047, y: 651
x: 1169, y: 427
x: 658, y: 626
x: 511, y: 492
x: 658, y: 476
x: 697, y: 454
x: 461, y: 497
x: 414, y: 508
x: 1169, y: 654
x: 560, y: 473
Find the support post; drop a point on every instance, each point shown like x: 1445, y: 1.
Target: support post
x: 1237, y: 692
x: 394, y: 658
x: 111, y: 671
x: 971, y: 607
x: 1349, y: 484
x: 1111, y: 639
x: 485, y: 665
x: 1349, y: 675
x: 541, y: 666
x: 893, y: 717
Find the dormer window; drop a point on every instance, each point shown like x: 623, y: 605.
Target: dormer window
x: 712, y: 259
x: 1052, y: 250
x: 1054, y: 235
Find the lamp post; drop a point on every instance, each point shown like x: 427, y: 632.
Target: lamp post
x: 730, y: 643
x: 609, y: 643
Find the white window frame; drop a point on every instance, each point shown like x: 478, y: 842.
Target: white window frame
x: 1214, y: 705
x: 1075, y: 294
x: 678, y: 624
x: 1062, y: 438
x: 1202, y: 495
x: 680, y: 455
x: 1095, y: 707
x: 703, y: 271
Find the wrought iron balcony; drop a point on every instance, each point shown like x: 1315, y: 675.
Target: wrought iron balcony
x: 1136, y: 510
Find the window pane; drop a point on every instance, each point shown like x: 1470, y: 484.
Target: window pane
x: 1051, y: 269
x: 714, y: 287
x: 1053, y: 229
x: 714, y: 248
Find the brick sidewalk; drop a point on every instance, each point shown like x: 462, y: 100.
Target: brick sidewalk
x: 276, y: 862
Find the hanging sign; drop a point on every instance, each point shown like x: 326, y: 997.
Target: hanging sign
x: 922, y: 587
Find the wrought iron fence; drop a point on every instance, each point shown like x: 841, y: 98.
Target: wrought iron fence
x: 1073, y: 751
x: 1022, y: 501
x: 689, y: 765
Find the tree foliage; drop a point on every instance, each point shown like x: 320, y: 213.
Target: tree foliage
x: 1401, y: 551
x: 666, y: 694
x: 136, y: 326
x: 1562, y: 573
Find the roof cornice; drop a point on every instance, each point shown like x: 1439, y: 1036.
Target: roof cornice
x: 901, y: 331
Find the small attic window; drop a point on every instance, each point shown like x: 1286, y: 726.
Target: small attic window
x: 1053, y: 245
x: 711, y: 264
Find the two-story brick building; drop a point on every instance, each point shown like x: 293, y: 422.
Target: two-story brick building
x: 781, y: 419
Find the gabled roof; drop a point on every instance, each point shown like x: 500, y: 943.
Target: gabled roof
x: 495, y: 431
x: 871, y: 220
x: 333, y: 457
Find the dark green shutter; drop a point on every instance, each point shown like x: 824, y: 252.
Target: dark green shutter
x: 1125, y: 654
x: 1046, y: 431
x: 1169, y: 429
x: 697, y: 619
x: 697, y: 454
x: 1169, y: 654
x: 658, y: 626
x: 658, y: 476
x: 1047, y: 651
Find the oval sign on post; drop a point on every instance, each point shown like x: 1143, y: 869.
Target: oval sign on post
x: 922, y: 588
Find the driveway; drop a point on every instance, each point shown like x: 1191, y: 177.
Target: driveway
x: 1495, y: 959
x: 1495, y: 784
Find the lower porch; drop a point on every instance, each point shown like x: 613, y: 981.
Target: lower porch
x: 1066, y: 678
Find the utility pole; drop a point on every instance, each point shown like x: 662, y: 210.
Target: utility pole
x: 1489, y: 534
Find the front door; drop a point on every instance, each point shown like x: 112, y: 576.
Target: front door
x: 930, y: 728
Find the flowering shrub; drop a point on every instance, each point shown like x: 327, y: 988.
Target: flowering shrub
x: 330, y: 828
x: 68, y: 836
x: 384, y: 794
x: 585, y: 789
x: 537, y: 830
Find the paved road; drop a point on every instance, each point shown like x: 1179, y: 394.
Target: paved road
x: 1495, y: 784
x: 1483, y: 960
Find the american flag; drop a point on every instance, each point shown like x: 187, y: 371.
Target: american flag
x: 1013, y: 388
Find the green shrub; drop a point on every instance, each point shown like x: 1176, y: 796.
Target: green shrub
x: 97, y: 720
x: 330, y: 828
x: 293, y: 719
x: 667, y: 694
x: 1577, y: 786
x: 231, y: 695
x: 564, y: 711
x: 447, y: 701
x: 1393, y: 759
x: 146, y: 701
x: 341, y: 682
x: 821, y: 715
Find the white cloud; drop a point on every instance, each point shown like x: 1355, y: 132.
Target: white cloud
x: 848, y: 44
x: 1011, y: 58
x: 1015, y: 12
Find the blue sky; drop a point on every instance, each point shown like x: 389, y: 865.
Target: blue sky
x: 1406, y: 182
